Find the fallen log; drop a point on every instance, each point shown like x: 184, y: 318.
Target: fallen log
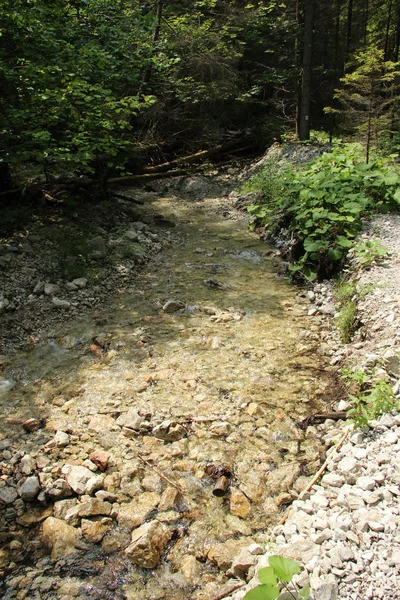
x: 321, y: 417
x: 190, y: 158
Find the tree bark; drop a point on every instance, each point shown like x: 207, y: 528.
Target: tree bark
x: 349, y: 29
x: 305, y: 102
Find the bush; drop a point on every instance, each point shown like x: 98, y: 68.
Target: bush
x: 324, y: 203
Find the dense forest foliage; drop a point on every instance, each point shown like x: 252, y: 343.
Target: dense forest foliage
x: 102, y: 87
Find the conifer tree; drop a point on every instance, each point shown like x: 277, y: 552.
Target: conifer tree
x: 369, y: 97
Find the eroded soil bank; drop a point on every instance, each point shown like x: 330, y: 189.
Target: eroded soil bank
x: 201, y: 366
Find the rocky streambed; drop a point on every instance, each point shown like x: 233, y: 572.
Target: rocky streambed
x: 148, y: 436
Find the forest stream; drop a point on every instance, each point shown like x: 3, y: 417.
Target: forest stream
x: 201, y: 369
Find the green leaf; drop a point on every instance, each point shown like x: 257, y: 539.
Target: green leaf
x: 262, y: 592
x: 314, y: 245
x: 267, y: 575
x: 304, y: 592
x: 284, y: 568
x: 343, y: 241
x: 335, y: 254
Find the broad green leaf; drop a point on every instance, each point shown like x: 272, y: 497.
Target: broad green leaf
x: 335, y: 254
x: 314, y: 245
x: 267, y: 575
x: 263, y: 592
x: 284, y: 568
x: 343, y: 241
x: 304, y: 592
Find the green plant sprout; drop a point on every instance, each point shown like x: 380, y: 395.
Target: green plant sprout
x: 275, y: 577
x: 369, y: 252
x: 371, y: 400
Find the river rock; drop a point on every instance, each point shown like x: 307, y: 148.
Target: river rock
x: 60, y: 537
x: 81, y: 479
x: 62, y: 507
x: 170, y: 431
x: 58, y: 303
x: 190, y: 569
x: 133, y: 514
x: 8, y: 495
x: 169, y: 499
x: 30, y: 425
x: 225, y: 553
x: 242, y: 563
x: 172, y: 306
x: 100, y: 423
x: 80, y: 282
x: 4, y: 558
x: 220, y: 429
x: 58, y: 489
x: 50, y: 289
x: 94, y: 507
x: 61, y: 439
x: 132, y: 419
x: 148, y: 542
x: 94, y: 531
x: 28, y: 464
x: 283, y: 478
x: 30, y: 489
x: 100, y: 458
x: 239, y: 504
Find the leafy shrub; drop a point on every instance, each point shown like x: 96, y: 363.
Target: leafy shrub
x: 371, y: 399
x: 277, y: 575
x: 369, y: 252
x: 324, y: 203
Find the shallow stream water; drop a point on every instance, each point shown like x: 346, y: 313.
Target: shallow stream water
x: 238, y: 367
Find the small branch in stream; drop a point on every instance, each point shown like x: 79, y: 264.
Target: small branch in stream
x: 317, y: 475
x: 232, y: 589
x: 175, y: 485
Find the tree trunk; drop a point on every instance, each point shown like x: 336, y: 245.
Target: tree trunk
x: 389, y: 16
x: 156, y: 34
x: 305, y: 102
x: 397, y: 42
x: 349, y: 29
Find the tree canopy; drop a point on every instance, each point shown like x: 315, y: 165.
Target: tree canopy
x: 101, y: 87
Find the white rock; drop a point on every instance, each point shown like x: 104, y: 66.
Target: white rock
x: 80, y: 282
x: 365, y: 483
x: 61, y: 439
x: 58, y: 303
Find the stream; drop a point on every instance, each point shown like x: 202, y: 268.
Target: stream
x: 201, y: 367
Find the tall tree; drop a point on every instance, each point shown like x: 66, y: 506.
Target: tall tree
x: 305, y: 98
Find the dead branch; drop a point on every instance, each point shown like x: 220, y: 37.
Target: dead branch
x: 175, y: 485
x: 318, y: 474
x: 229, y: 591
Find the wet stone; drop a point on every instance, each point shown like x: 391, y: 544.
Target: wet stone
x: 8, y: 495
x: 147, y: 544
x: 94, y: 531
x: 60, y: 537
x: 30, y: 489
x: 239, y: 505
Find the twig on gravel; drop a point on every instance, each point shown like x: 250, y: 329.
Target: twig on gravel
x: 175, y: 485
x: 232, y: 589
x: 317, y: 475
